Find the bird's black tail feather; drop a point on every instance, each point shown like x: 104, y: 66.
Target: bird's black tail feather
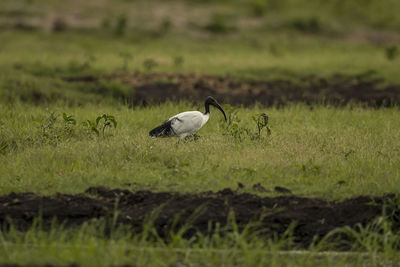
x: 163, y: 130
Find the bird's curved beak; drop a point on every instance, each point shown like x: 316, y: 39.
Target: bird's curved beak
x: 215, y: 104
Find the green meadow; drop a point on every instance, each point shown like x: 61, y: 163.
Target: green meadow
x: 324, y: 152
x: 51, y: 143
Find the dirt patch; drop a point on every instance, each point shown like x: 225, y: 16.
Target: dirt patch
x: 313, y: 217
x: 335, y: 90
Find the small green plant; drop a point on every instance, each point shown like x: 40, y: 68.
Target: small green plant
x: 108, y: 121
x: 54, y: 130
x: 392, y: 52
x: 258, y: 7
x: 69, y: 119
x: 77, y: 66
x: 88, y: 62
x: 392, y: 212
x: 122, y: 22
x: 262, y: 122
x: 178, y: 61
x: 233, y: 127
x: 149, y: 64
x: 373, y: 237
x: 3, y: 147
x: 92, y: 126
x: 69, y: 122
x: 48, y: 125
x: 239, y: 132
x: 126, y: 58
x: 165, y: 27
x: 276, y: 50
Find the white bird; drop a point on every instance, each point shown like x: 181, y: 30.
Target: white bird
x: 186, y: 123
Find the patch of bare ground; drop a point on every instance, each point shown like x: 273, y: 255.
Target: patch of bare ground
x: 312, y: 217
x: 377, y: 37
x: 337, y: 90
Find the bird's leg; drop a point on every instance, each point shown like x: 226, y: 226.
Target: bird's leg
x: 192, y: 137
x: 177, y: 143
x: 196, y: 137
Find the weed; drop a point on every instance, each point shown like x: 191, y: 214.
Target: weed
x: 75, y: 66
x: 3, y: 147
x: 165, y: 26
x: 48, y: 124
x: 126, y: 58
x: 178, y: 61
x: 108, y: 121
x: 69, y: 121
x: 53, y: 132
x: 258, y: 7
x: 391, y: 52
x: 89, y: 60
x: 239, y: 132
x: 374, y: 237
x: 275, y: 50
x: 233, y: 127
x: 94, y: 126
x: 380, y: 235
x: 262, y: 122
x: 149, y: 64
x: 392, y: 212
x: 122, y: 22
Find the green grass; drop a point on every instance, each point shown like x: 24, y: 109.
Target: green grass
x: 89, y: 246
x: 324, y: 152
x: 247, y: 56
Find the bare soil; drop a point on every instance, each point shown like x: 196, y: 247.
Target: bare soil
x: 335, y: 90
x: 312, y: 217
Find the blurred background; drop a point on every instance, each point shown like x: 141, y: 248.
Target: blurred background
x: 363, y: 20
x: 147, y: 51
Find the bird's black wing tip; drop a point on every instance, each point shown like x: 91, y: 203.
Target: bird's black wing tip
x: 163, y: 130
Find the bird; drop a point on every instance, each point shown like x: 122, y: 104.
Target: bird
x: 186, y: 123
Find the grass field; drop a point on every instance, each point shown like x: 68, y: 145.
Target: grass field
x: 326, y: 152
x: 48, y: 144
x: 88, y: 249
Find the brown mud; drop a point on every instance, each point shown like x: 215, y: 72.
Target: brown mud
x: 337, y: 90
x: 311, y: 217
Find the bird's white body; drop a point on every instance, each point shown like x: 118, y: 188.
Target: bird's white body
x: 188, y: 122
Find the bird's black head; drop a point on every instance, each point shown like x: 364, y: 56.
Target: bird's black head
x: 211, y: 101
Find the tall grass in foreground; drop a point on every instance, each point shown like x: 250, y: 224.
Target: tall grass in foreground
x: 329, y: 152
x: 92, y: 245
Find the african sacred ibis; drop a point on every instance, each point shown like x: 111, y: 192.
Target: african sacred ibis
x: 186, y: 123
